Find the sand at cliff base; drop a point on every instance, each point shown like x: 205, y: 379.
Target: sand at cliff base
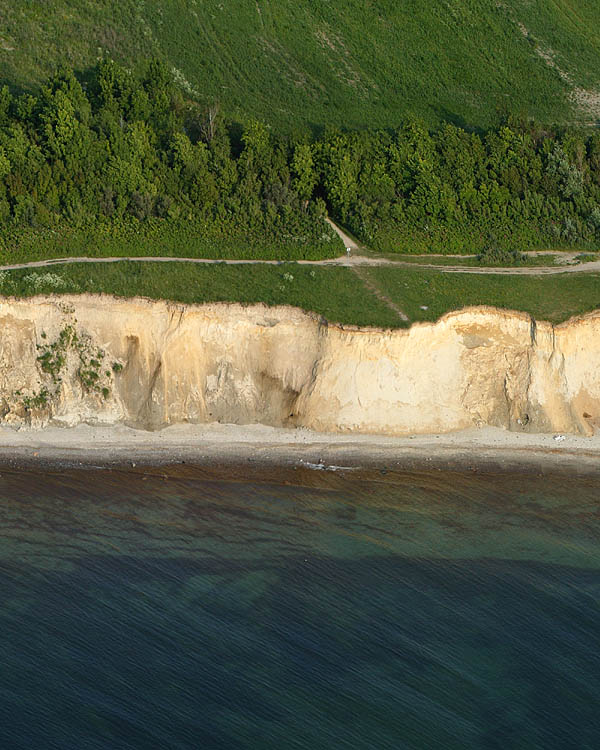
x: 474, y: 449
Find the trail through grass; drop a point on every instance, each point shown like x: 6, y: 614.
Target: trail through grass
x: 552, y: 298
x: 336, y: 293
x: 374, y: 288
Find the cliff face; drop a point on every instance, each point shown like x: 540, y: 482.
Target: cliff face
x: 150, y: 364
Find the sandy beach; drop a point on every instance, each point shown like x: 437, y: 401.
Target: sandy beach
x: 485, y: 449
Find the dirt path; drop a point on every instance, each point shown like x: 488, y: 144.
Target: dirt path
x: 566, y: 254
x: 355, y: 260
x: 348, y: 241
x: 351, y: 262
x: 374, y: 289
x: 592, y: 266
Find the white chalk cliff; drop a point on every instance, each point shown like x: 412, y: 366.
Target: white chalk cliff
x: 71, y: 359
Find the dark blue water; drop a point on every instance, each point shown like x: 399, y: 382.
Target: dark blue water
x: 406, y: 611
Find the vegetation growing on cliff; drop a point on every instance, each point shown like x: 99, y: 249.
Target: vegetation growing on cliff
x: 53, y: 357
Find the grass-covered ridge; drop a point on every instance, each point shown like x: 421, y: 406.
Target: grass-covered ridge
x: 427, y: 295
x: 154, y: 238
x: 336, y: 293
x: 345, y: 62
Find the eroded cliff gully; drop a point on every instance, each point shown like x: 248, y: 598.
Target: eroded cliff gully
x: 148, y: 364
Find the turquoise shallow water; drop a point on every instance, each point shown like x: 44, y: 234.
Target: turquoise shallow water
x: 162, y: 609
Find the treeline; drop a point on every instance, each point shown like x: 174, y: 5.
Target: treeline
x: 114, y: 151
x: 516, y: 187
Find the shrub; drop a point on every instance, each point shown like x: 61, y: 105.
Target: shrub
x: 494, y: 255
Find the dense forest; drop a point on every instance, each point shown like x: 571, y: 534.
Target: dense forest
x: 116, y: 151
x: 113, y: 153
x: 515, y: 187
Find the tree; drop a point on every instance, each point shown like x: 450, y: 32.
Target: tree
x: 303, y: 171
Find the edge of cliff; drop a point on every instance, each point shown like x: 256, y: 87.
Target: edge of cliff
x: 99, y: 359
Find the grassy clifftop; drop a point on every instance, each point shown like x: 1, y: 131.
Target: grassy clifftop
x: 354, y: 63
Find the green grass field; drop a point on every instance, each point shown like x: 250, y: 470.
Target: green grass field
x: 344, y: 62
x: 335, y: 293
x: 554, y: 298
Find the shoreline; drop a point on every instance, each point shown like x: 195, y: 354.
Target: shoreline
x: 485, y: 449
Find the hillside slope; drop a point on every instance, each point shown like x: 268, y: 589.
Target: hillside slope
x: 353, y: 63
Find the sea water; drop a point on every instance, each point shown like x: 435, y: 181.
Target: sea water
x: 155, y: 608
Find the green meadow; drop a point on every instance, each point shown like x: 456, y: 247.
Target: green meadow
x: 555, y: 298
x: 335, y: 293
x: 348, y: 63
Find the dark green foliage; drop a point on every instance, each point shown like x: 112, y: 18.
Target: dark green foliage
x: 53, y: 356
x: 119, y: 164
x: 448, y: 191
x: 156, y: 238
x: 38, y: 400
x: 122, y: 159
